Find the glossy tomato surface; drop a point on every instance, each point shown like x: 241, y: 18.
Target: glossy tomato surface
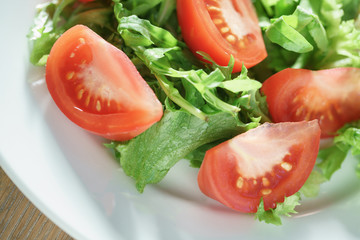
x: 270, y: 162
x: 97, y: 86
x: 332, y: 96
x: 222, y: 28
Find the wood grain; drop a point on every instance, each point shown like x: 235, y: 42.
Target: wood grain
x: 20, y: 219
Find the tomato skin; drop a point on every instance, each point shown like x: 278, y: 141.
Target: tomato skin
x: 86, y: 1
x: 201, y: 34
x: 330, y: 95
x: 285, y: 153
x: 98, y: 88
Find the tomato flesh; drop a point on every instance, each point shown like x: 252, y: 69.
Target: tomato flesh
x: 330, y: 95
x: 98, y: 88
x: 270, y: 162
x: 221, y: 29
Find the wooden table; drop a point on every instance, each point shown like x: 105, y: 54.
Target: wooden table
x: 20, y: 219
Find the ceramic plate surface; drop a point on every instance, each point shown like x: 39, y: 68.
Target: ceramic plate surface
x: 70, y: 176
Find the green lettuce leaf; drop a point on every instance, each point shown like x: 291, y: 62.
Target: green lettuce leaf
x: 273, y: 216
x: 347, y: 140
x: 331, y: 160
x: 148, y: 157
x: 311, y: 188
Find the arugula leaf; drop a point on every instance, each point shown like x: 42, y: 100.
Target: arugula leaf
x: 273, y: 215
x: 148, y: 157
x: 133, y: 28
x: 241, y: 83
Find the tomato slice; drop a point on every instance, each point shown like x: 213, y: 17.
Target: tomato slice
x: 331, y: 96
x: 97, y: 86
x: 222, y: 28
x: 270, y: 162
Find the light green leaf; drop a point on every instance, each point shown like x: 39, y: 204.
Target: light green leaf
x: 331, y: 160
x: 237, y: 85
x: 273, y: 216
x: 294, y: 32
x: 143, y: 28
x: 311, y: 188
x: 280, y: 32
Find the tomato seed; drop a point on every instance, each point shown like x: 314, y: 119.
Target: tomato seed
x: 266, y: 191
x: 82, y: 40
x: 286, y: 166
x: 70, y: 75
x: 231, y: 38
x: 240, y: 182
x: 98, y: 106
x: 87, y: 100
x: 218, y: 21
x: 80, y: 94
x: 213, y: 9
x: 241, y: 44
x: 265, y: 182
x: 224, y: 30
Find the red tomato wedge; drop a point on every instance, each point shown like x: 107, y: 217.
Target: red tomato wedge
x: 98, y: 88
x: 332, y: 96
x: 270, y: 162
x: 222, y: 28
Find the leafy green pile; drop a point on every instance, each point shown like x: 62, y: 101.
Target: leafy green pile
x: 206, y: 104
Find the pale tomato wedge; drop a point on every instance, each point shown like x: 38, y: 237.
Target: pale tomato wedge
x: 332, y: 96
x: 98, y: 88
x: 270, y: 162
x: 222, y: 28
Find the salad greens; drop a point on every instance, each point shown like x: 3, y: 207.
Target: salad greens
x: 309, y: 34
x: 205, y: 103
x: 176, y: 135
x: 273, y: 216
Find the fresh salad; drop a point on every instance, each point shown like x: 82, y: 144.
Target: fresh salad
x: 262, y: 96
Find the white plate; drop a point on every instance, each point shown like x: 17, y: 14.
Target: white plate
x: 70, y: 177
